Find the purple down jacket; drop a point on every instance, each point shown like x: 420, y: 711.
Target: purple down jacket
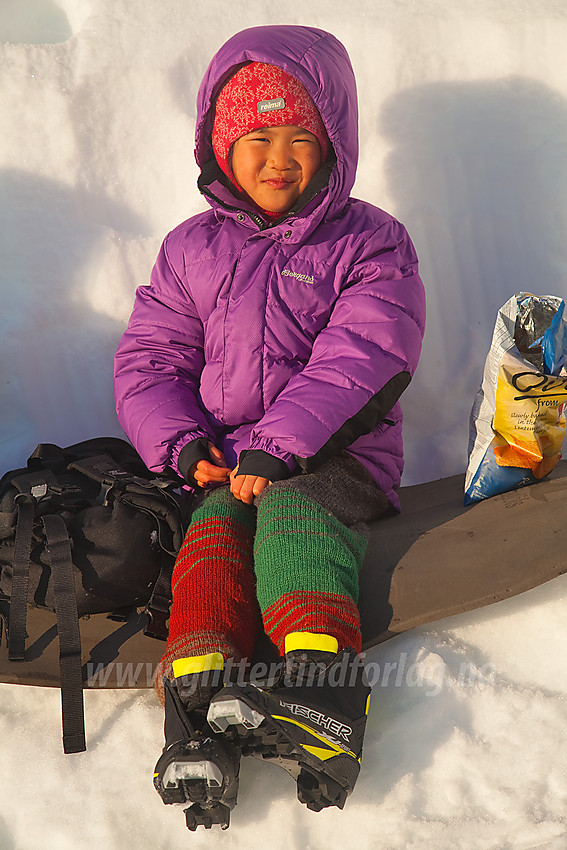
x: 289, y: 341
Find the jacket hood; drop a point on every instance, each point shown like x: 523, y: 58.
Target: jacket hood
x: 314, y: 57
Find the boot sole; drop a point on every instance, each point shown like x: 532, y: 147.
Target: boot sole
x: 261, y: 735
x: 183, y: 776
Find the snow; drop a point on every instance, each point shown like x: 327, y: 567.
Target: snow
x: 464, y: 137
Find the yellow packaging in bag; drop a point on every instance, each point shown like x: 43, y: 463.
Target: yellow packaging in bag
x: 529, y: 421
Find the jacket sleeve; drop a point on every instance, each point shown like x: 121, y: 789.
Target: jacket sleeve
x: 361, y: 362
x: 157, y: 369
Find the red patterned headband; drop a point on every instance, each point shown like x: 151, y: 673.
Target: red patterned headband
x: 261, y: 95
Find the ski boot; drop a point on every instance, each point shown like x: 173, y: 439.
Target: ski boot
x: 311, y: 722
x: 196, y: 767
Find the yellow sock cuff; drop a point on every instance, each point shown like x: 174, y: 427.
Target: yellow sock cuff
x: 311, y: 641
x: 198, y: 664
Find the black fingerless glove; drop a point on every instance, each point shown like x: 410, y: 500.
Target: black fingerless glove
x: 193, y: 452
x: 261, y: 463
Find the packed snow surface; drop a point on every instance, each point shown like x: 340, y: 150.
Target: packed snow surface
x: 463, y: 117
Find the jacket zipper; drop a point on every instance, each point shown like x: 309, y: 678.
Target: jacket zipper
x: 255, y: 218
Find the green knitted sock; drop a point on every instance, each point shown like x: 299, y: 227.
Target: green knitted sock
x: 307, y: 565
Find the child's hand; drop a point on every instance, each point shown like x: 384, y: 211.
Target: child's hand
x: 245, y: 487
x: 213, y: 472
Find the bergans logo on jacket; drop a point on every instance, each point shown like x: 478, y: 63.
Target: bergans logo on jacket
x: 252, y: 351
x: 304, y: 278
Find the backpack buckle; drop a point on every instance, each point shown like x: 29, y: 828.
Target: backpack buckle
x: 157, y: 623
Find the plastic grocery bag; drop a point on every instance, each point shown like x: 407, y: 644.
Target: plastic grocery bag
x: 517, y: 420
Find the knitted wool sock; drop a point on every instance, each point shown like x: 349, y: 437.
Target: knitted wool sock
x: 307, y: 565
x: 214, y: 606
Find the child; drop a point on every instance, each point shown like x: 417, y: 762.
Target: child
x: 264, y: 364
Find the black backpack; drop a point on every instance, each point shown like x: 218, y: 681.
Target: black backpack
x: 86, y: 529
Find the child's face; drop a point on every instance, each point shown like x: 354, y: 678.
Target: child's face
x: 275, y: 164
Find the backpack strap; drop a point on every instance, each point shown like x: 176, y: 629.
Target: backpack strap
x: 72, y: 707
x: 30, y: 486
x: 20, y: 578
x: 4, y: 614
x: 35, y: 483
x: 104, y: 469
x: 159, y: 603
x: 61, y: 563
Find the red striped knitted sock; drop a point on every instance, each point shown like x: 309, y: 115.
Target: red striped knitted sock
x: 307, y: 565
x: 214, y: 606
